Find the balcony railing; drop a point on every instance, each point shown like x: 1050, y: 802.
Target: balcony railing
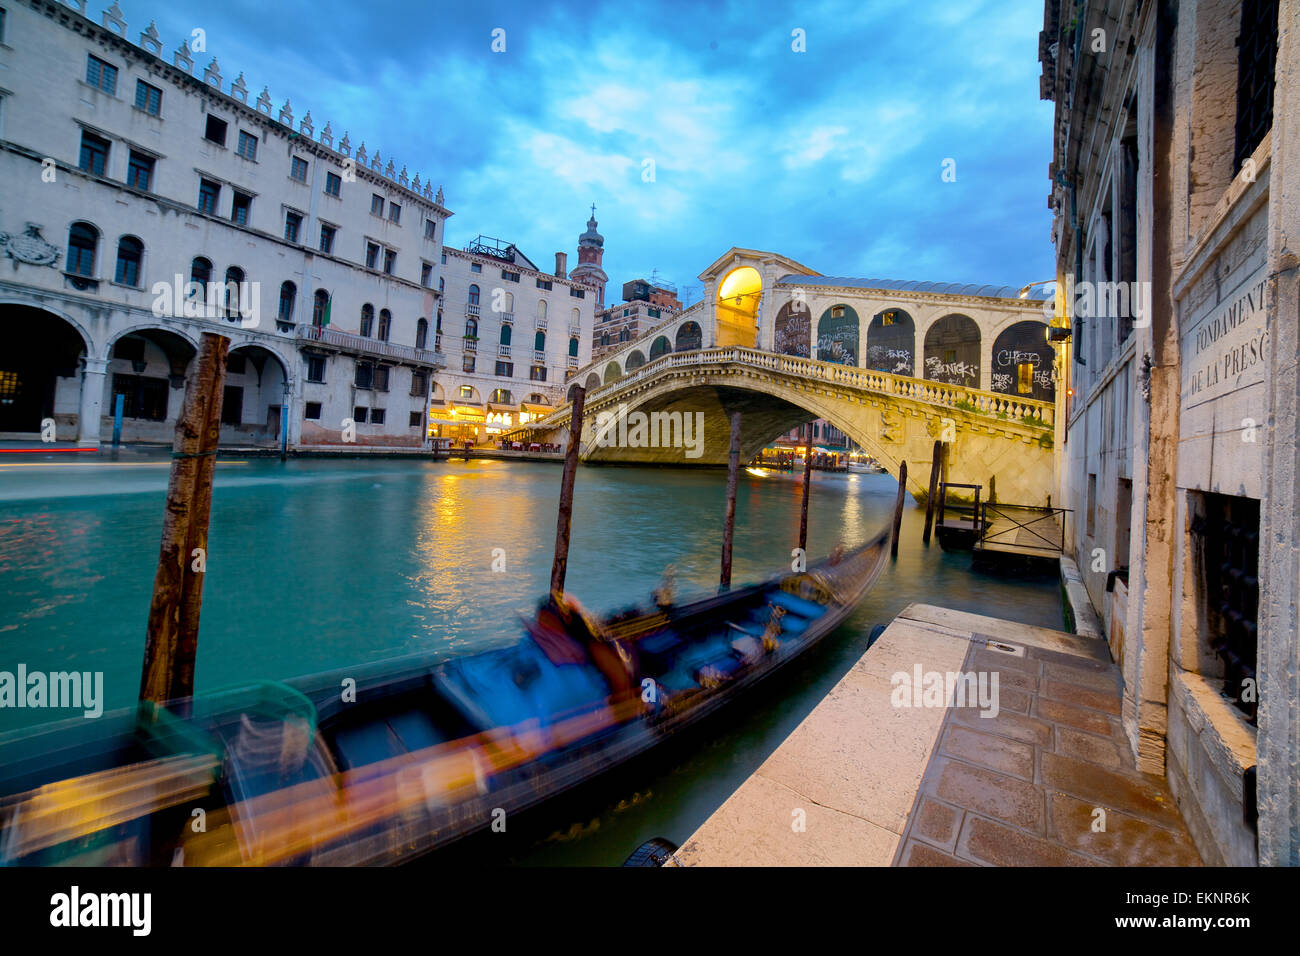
x: 503, y: 351
x: 539, y: 357
x: 347, y: 342
x: 507, y: 318
x: 471, y: 308
x: 470, y: 345
x: 575, y: 330
x: 437, y: 342
x: 573, y: 361
x: 541, y: 323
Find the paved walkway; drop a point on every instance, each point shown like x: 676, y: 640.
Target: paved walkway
x: 1050, y: 780
x: 870, y: 779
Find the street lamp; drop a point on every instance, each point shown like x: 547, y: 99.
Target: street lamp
x: 1024, y: 292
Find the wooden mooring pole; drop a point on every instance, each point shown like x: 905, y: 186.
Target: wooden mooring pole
x: 936, y: 465
x: 565, y: 519
x: 729, y: 522
x: 898, y: 509
x: 807, y: 487
x: 172, y: 637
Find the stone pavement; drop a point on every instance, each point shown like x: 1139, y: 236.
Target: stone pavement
x: 864, y: 781
x: 1048, y: 781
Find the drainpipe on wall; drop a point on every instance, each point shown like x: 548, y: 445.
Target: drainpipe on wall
x: 1078, y: 272
x: 1080, y: 13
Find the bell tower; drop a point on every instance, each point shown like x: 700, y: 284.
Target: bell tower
x: 591, y: 250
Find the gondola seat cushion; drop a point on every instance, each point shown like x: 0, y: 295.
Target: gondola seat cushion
x: 797, y: 605
x: 519, y: 684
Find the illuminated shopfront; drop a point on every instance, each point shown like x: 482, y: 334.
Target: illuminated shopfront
x: 459, y: 423
x: 530, y: 412
x: 500, y: 418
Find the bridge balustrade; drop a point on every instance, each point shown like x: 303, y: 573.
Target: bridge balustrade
x: 994, y: 404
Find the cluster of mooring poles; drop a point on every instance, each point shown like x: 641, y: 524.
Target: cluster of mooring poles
x: 171, y: 642
x: 565, y: 517
x: 938, y: 467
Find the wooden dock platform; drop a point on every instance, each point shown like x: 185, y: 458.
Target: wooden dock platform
x: 1022, y: 530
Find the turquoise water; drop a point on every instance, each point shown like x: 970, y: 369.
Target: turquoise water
x: 318, y: 564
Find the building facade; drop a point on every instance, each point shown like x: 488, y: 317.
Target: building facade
x: 827, y: 440
x: 620, y: 324
x: 1176, y: 241
x: 146, y: 203
x: 512, y: 335
x: 645, y: 305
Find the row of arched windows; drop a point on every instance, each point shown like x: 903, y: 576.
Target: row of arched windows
x: 951, y: 351
x: 201, y: 276
x: 83, y: 244
x: 83, y: 249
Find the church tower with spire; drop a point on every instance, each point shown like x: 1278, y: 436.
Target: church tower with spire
x: 591, y: 250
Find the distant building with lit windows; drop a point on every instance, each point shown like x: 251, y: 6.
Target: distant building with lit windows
x: 511, y: 333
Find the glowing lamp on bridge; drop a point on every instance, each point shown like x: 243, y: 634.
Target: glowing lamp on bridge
x: 1024, y: 292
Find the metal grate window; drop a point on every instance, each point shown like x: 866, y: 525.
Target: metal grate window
x: 1230, y: 531
x: 1256, y: 60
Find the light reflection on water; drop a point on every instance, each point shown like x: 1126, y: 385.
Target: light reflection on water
x: 315, y: 565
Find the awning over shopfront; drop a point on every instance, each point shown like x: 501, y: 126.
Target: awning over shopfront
x: 468, y: 413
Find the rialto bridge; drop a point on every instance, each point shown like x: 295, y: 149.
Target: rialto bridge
x: 843, y: 350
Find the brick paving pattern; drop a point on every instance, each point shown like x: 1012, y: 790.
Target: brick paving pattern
x: 1023, y: 788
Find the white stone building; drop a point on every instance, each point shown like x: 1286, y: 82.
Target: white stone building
x: 512, y: 335
x: 147, y: 199
x: 1178, y: 428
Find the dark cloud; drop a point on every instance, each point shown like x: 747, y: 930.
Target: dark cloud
x: 832, y: 156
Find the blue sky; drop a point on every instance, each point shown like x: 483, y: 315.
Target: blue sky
x: 831, y: 156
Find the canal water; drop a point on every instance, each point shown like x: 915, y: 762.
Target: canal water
x: 319, y: 564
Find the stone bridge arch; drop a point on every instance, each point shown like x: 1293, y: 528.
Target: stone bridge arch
x: 896, y: 418
x: 767, y: 411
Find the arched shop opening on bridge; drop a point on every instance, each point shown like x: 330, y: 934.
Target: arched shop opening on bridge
x: 737, y: 308
x: 1023, y: 362
x: 952, y: 351
x: 837, y: 335
x: 891, y: 342
x: 660, y: 346
x: 40, y: 371
x: 793, y: 329
x: 689, y: 337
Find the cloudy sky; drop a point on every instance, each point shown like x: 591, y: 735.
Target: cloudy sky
x: 692, y: 125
